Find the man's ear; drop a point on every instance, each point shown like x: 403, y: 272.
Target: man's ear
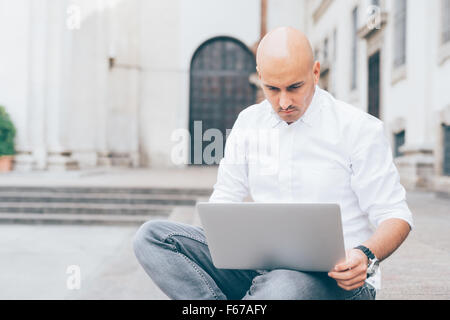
x: 257, y: 71
x: 316, y: 72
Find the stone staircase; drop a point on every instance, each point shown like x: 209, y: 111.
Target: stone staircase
x: 93, y: 205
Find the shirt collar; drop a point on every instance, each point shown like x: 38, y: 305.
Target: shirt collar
x: 308, y: 117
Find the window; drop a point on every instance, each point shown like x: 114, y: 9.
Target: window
x: 399, y: 140
x: 399, y: 33
x: 446, y: 163
x: 354, y: 47
x: 445, y: 21
x: 325, y: 49
x: 334, y: 44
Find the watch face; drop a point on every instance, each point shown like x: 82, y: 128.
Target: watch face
x: 373, y: 267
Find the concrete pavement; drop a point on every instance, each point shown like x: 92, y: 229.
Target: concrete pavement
x: 34, y: 258
x: 189, y: 177
x: 420, y: 268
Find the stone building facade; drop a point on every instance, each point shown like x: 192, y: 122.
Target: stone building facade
x: 392, y: 59
x: 93, y: 83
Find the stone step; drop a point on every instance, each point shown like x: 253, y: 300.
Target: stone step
x: 151, y: 207
x: 88, y: 219
x: 93, y: 205
x: 82, y: 208
x: 107, y: 190
x: 91, y: 195
x: 98, y: 199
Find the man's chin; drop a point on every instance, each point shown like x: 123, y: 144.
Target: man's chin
x: 290, y: 117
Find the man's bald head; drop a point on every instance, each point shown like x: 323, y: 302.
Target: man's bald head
x: 284, y: 47
x: 288, y: 73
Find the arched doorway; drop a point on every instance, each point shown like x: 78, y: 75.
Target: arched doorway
x: 219, y: 90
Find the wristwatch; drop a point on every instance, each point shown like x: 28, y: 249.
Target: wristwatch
x: 373, y: 264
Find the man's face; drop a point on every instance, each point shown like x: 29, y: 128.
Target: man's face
x: 289, y: 89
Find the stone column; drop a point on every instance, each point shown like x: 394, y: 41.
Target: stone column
x: 58, y: 51
x: 36, y: 159
x: 121, y: 143
x: 417, y: 165
x: 15, y: 35
x: 105, y: 51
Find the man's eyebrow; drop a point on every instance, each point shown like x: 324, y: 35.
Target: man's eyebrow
x: 292, y: 85
x: 297, y: 84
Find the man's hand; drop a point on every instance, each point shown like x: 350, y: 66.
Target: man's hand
x: 352, y: 273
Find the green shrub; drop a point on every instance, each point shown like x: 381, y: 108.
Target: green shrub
x: 7, y: 134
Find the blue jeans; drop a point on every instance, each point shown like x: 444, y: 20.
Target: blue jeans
x: 177, y: 258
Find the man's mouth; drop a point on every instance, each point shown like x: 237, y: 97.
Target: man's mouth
x: 287, y: 111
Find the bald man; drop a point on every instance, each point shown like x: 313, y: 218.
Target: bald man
x: 285, y: 61
x: 326, y: 152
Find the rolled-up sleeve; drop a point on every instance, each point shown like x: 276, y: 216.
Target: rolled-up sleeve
x: 375, y: 179
x: 232, y: 177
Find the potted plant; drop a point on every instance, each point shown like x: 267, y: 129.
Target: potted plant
x: 7, y: 134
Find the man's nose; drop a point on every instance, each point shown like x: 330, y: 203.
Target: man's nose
x: 285, y: 101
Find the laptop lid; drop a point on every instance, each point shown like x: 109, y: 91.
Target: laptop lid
x: 297, y: 236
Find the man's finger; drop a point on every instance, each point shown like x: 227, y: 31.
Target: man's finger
x: 353, y: 281
x: 340, y: 267
x: 346, y: 275
x: 347, y: 265
x: 352, y: 263
x: 353, y: 287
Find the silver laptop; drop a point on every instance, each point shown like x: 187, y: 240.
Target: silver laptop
x: 256, y: 236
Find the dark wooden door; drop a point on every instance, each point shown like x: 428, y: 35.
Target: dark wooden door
x: 219, y: 89
x: 446, y: 164
x: 374, y: 85
x: 399, y: 140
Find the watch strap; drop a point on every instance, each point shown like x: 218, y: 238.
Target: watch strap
x: 366, y: 251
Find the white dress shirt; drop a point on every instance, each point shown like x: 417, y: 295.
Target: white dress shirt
x: 335, y: 153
